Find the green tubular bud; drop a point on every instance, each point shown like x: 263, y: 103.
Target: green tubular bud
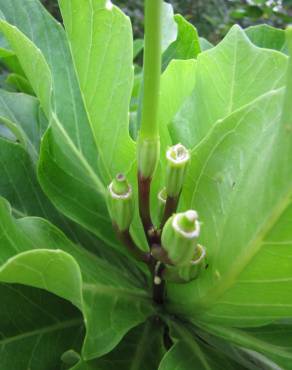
x: 192, y: 270
x: 189, y: 271
x: 120, y: 201
x: 177, y: 158
x: 148, y: 154
x: 161, y: 203
x: 179, y: 237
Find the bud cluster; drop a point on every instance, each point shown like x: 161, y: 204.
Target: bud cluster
x: 173, y: 244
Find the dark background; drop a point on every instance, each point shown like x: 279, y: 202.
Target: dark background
x: 212, y: 18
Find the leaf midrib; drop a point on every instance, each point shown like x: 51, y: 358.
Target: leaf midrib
x: 187, y: 338
x: 125, y: 293
x: 246, y: 340
x: 242, y: 261
x: 139, y: 354
x: 43, y: 330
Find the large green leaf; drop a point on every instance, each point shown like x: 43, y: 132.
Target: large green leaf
x: 229, y: 76
x: 19, y: 185
x: 272, y: 341
x: 265, y: 36
x: 141, y: 349
x: 36, y: 328
x: 81, y: 202
x: 101, y: 291
x: 240, y: 181
x: 105, y: 73
x: 72, y: 148
x: 188, y: 351
x: 68, y: 156
x: 18, y: 182
x: 49, y: 37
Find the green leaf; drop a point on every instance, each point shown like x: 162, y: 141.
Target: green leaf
x: 18, y: 184
x: 73, y: 150
x: 186, y: 45
x: 265, y: 36
x: 138, y: 46
x: 169, y: 26
x: 177, y: 83
x: 32, y: 62
x: 141, y: 349
x: 272, y: 341
x: 20, y: 113
x: 20, y: 83
x: 5, y: 49
x: 248, y: 281
x: 229, y: 76
x: 36, y: 328
x: 11, y: 63
x: 82, y: 201
x: 189, y: 350
x: 8, y: 57
x: 101, y: 291
x: 205, y: 44
x: 31, y: 18
x: 105, y: 76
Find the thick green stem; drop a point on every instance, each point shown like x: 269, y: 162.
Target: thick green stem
x: 152, y: 69
x: 148, y: 143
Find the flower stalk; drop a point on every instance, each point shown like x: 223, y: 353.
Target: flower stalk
x: 148, y: 140
x: 174, y: 254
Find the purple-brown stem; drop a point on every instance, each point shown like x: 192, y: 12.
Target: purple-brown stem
x: 144, y: 204
x: 169, y: 210
x: 160, y: 254
x: 126, y: 238
x: 158, y: 284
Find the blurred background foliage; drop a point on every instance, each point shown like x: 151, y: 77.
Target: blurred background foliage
x: 213, y: 18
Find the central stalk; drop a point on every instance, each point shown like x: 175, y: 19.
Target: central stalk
x: 148, y: 141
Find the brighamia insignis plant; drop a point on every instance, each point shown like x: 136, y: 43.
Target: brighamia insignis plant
x: 145, y: 218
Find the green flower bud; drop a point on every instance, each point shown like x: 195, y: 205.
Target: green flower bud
x: 179, y: 237
x: 148, y: 154
x: 161, y: 203
x: 177, y: 158
x: 120, y: 202
x: 192, y: 270
x: 189, y: 271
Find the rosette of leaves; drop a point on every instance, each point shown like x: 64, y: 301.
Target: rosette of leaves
x: 71, y: 295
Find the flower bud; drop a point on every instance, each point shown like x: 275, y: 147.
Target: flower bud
x: 120, y: 201
x: 177, y: 158
x: 179, y: 237
x: 192, y: 270
x: 148, y: 155
x: 161, y: 203
x: 189, y: 271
